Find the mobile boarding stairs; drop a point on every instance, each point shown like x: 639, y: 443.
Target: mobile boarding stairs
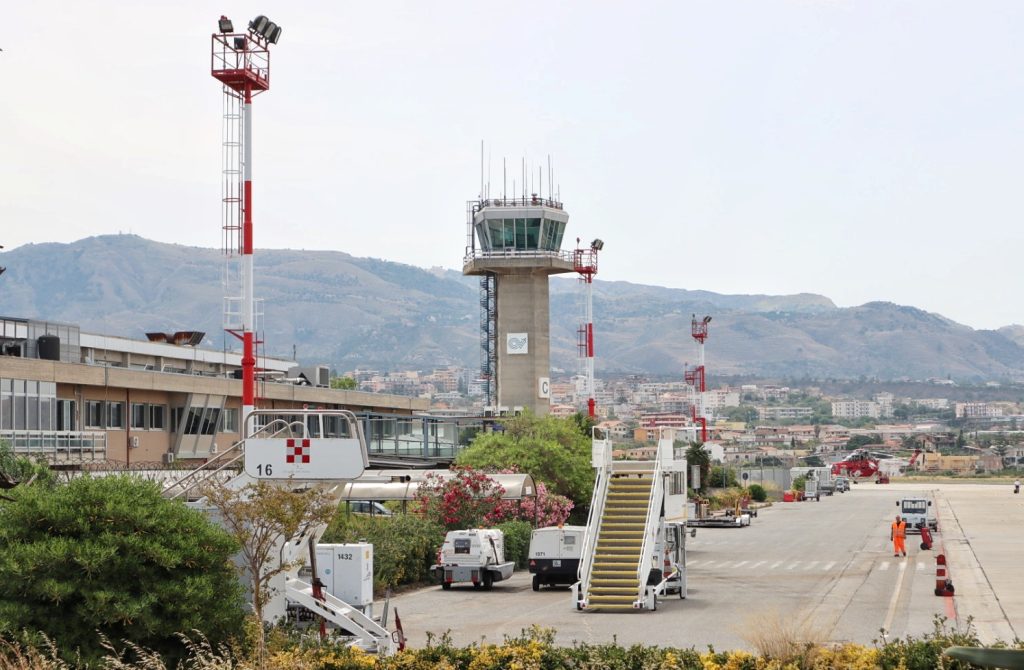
x: 633, y: 548
x: 297, y: 449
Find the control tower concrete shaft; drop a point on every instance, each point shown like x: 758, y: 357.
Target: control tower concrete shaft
x: 514, y: 244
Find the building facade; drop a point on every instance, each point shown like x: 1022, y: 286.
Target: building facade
x: 70, y: 396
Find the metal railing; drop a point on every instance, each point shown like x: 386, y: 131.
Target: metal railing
x: 230, y: 458
x: 597, y: 504
x: 59, y: 446
x: 512, y: 254
x: 530, y: 201
x: 650, y: 528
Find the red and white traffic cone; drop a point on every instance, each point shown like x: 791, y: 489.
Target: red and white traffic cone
x: 943, y: 584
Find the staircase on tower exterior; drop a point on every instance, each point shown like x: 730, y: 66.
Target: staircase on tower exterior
x: 618, y: 553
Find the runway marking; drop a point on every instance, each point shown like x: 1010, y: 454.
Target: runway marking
x: 793, y: 565
x: 829, y: 566
x: 895, y: 598
x: 921, y: 567
x: 884, y: 566
x: 757, y: 564
x: 810, y: 566
x: 775, y: 565
x: 692, y: 563
x: 740, y: 564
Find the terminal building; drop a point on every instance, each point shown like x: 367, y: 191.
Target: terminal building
x: 76, y: 397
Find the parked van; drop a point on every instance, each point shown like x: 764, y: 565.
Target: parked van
x: 554, y: 556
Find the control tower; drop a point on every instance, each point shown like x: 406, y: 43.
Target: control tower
x: 513, y: 245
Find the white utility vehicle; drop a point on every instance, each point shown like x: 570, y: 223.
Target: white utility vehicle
x: 476, y: 555
x: 917, y: 512
x: 554, y: 556
x: 811, y: 490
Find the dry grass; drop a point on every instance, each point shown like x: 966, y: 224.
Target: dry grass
x: 783, y: 637
x: 201, y: 656
x: 14, y: 656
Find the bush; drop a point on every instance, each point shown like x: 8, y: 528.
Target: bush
x: 517, y: 541
x: 722, y: 478
x: 535, y: 648
x: 404, y: 547
x: 799, y: 484
x: 552, y: 450
x: 466, y: 499
x: 115, y: 559
x: 757, y: 493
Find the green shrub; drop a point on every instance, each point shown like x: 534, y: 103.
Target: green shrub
x: 757, y: 493
x: 722, y: 477
x: 517, y: 541
x: 799, y: 484
x: 404, y: 547
x: 110, y: 556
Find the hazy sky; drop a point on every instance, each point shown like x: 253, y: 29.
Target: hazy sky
x: 864, y: 150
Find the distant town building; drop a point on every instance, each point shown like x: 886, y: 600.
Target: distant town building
x: 856, y: 409
x: 783, y: 413
x: 976, y: 410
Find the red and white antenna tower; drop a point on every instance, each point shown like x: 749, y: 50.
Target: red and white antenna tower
x: 585, y: 263
x: 241, y: 62
x: 695, y: 377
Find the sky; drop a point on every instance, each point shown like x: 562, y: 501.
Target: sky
x: 859, y: 149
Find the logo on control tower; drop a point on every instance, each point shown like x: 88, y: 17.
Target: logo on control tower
x: 517, y: 343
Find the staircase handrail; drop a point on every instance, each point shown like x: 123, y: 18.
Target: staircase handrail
x: 650, y: 527
x: 341, y: 614
x: 597, y: 503
x: 236, y: 452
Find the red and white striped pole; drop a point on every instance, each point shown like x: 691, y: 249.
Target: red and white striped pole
x: 248, y: 298
x: 591, y: 403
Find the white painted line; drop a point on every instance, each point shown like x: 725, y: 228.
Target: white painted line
x: 709, y: 564
x: 775, y: 565
x: 690, y: 563
x: 884, y: 566
x: 757, y: 564
x: 921, y: 567
x: 793, y: 565
x: 829, y: 565
x: 810, y: 566
x: 895, y: 598
x: 740, y: 564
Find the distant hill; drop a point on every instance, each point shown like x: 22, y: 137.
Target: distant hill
x: 346, y: 311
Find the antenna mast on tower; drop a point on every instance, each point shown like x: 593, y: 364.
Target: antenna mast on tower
x: 241, y: 62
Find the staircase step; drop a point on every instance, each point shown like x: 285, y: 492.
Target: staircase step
x: 620, y: 578
x: 624, y: 590
x: 601, y: 600
x: 611, y: 608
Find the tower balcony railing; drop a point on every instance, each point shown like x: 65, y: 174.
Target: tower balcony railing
x: 528, y: 201
x: 481, y: 254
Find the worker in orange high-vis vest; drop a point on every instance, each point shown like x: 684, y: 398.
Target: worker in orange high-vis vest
x: 898, y: 535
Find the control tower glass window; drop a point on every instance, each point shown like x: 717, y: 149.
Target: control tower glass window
x: 520, y: 234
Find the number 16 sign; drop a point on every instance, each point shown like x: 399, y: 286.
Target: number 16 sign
x: 304, y: 458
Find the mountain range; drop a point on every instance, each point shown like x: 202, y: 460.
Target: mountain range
x: 346, y: 311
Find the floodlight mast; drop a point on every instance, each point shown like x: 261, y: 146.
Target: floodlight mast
x: 241, y: 62
x: 696, y: 377
x: 585, y: 264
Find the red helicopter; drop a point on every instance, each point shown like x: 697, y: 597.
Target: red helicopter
x: 859, y: 464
